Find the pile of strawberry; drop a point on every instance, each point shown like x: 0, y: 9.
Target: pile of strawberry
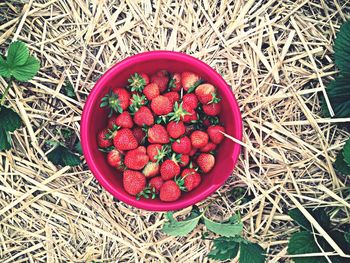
x: 162, y: 133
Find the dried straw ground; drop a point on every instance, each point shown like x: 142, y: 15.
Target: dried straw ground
x: 276, y: 55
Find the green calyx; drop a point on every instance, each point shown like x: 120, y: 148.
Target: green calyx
x: 136, y: 82
x: 195, y: 85
x: 180, y: 181
x: 215, y: 98
x: 148, y: 192
x: 112, y: 132
x: 178, y: 113
x: 171, y: 83
x: 162, y: 153
x: 111, y: 100
x: 137, y: 102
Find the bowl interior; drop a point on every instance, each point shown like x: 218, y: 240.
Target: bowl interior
x: 95, y: 119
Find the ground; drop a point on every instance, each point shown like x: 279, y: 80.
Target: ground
x: 276, y: 55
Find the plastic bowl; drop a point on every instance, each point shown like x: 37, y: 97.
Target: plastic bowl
x: 94, y: 119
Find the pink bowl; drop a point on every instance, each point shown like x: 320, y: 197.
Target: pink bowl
x: 94, y: 119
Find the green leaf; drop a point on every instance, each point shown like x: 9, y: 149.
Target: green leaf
x: 223, y: 249
x: 66, y: 133
x: 342, y: 48
x: 319, y: 214
x: 4, y: 69
x: 9, y: 119
x: 26, y: 71
x: 17, y: 54
x: 78, y: 148
x: 228, y: 229
x: 346, y: 151
x: 5, y: 140
x: 303, y: 243
x: 181, y: 228
x: 341, y: 165
x: 299, y: 218
x: 61, y: 155
x: 69, y: 90
x: 347, y: 237
x: 251, y: 252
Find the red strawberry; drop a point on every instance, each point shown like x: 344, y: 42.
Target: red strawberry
x: 175, y: 129
x: 161, y: 80
x: 188, y: 79
x: 124, y: 120
x: 152, y: 151
x: 112, y: 122
x: 206, y: 162
x: 156, y: 183
x: 134, y: 182
x: 182, y: 145
x: 206, y: 122
x: 212, y: 109
x: 161, y: 105
x: 136, y: 159
x: 191, y: 117
x: 191, y: 178
x: 199, y: 139
x: 208, y: 148
x: 102, y: 139
x: 144, y: 116
x: 169, y: 169
x: 205, y: 93
x: 175, y: 82
x: 157, y: 134
x: 169, y: 191
x: 142, y: 149
x: 138, y: 81
x: 151, y: 91
x: 185, y: 159
x: 151, y: 169
x: 145, y: 78
x: 193, y: 152
x: 162, y: 73
x: 215, y: 134
x: 123, y: 97
x: 114, y: 158
x: 139, y: 134
x: 125, y: 140
x: 173, y: 96
x: 190, y: 101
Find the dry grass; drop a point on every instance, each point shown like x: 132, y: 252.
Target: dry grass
x: 276, y: 55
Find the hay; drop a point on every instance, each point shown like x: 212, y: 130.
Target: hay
x: 276, y: 55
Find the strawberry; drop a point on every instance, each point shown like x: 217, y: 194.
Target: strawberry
x: 175, y: 82
x: 179, y: 112
x: 138, y: 81
x: 190, y: 101
x: 191, y: 179
x: 191, y: 116
x: 134, y: 182
x: 169, y: 169
x: 212, y: 109
x: 139, y: 134
x: 189, y: 79
x: 145, y: 78
x: 136, y: 159
x: 157, y: 134
x: 215, y: 134
x: 103, y: 139
x: 112, y: 122
x: 175, y: 129
x: 151, y: 91
x: 172, y: 96
x: 151, y: 169
x: 161, y: 105
x: 137, y: 102
x: 184, y: 160
x: 161, y: 80
x: 114, y: 158
x: 206, y: 162
x: 143, y: 116
x: 205, y: 93
x: 206, y: 122
x: 182, y: 145
x: 124, y: 120
x: 142, y: 149
x: 123, y: 97
x: 156, y: 183
x: 208, y: 148
x: 162, y: 73
x: 193, y: 152
x: 125, y: 140
x: 152, y: 151
x: 169, y: 191
x: 199, y: 139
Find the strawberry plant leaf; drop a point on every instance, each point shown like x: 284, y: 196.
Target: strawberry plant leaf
x: 342, y: 48
x: 61, y: 155
x: 319, y: 215
x: 347, y: 237
x: 9, y: 119
x: 69, y: 90
x: 4, y: 69
x: 78, y: 148
x: 299, y: 218
x: 251, y: 252
x: 181, y: 228
x: 346, y: 151
x: 26, y: 71
x: 17, y: 54
x: 223, y: 249
x: 341, y: 165
x: 228, y: 229
x: 5, y: 140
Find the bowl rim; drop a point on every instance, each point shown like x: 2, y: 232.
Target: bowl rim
x: 87, y: 111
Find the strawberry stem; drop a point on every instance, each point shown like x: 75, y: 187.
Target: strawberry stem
x: 178, y: 113
x: 111, y: 100
x: 137, y: 83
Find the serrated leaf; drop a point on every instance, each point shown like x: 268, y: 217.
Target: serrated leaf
x: 341, y: 165
x: 181, y: 228
x: 5, y: 143
x: 26, y: 71
x: 9, y: 119
x: 251, y: 252
x: 342, y: 48
x: 303, y: 243
x: 223, y: 249
x: 17, y: 54
x: 319, y: 215
x: 4, y: 69
x: 61, y: 155
x: 228, y: 229
x: 299, y: 218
